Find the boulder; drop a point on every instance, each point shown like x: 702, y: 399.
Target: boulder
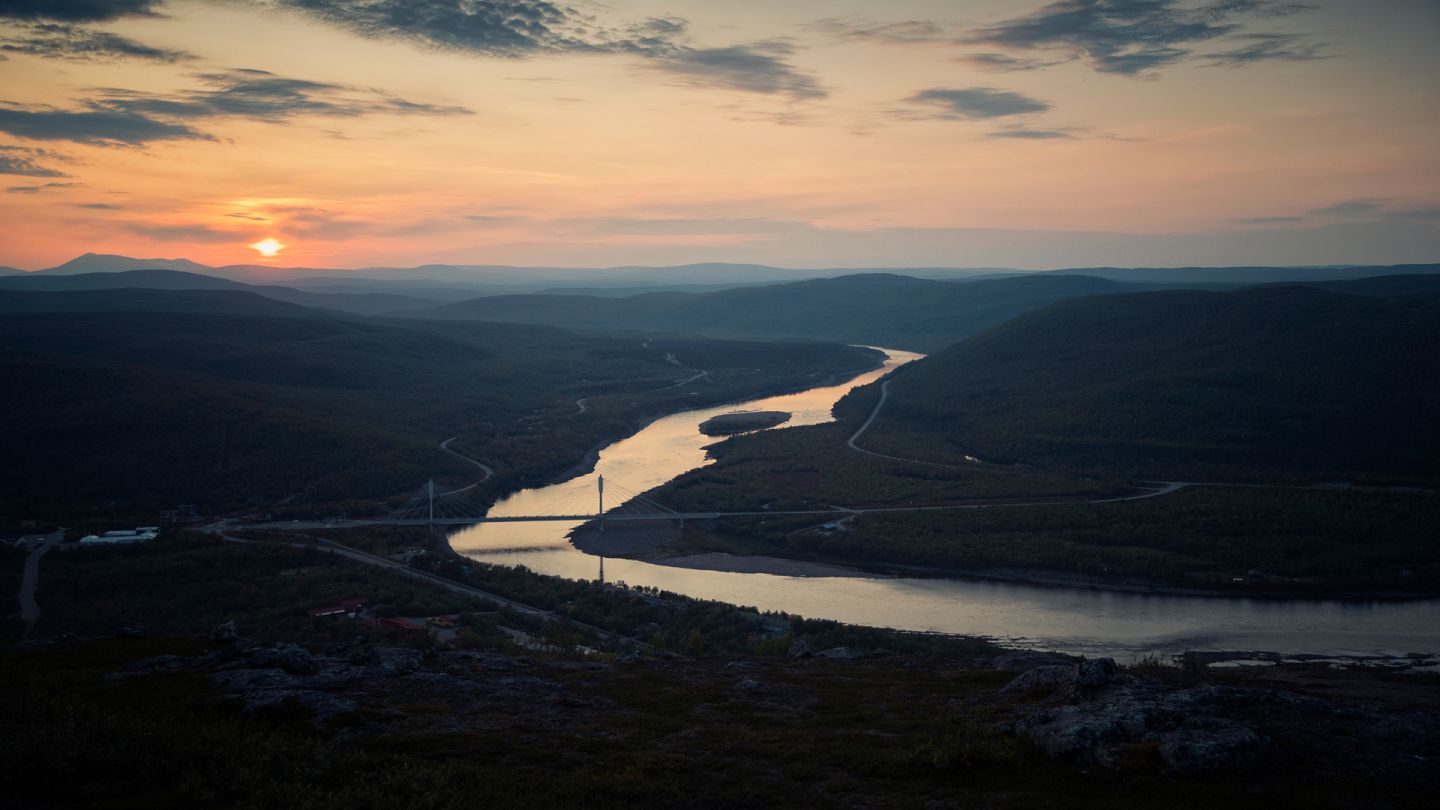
x: 840, y: 652
x: 1048, y: 677
x: 225, y: 633
x: 1224, y: 746
x: 1096, y: 672
x: 800, y: 649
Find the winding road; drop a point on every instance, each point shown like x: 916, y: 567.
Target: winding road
x: 30, y: 580
x: 377, y: 561
x: 484, y: 468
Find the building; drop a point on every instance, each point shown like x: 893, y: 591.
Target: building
x: 139, y: 534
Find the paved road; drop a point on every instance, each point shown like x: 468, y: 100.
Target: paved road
x: 449, y: 585
x: 445, y: 445
x: 851, y: 442
x: 29, y: 608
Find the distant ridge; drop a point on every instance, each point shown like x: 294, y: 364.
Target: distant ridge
x: 1245, y: 275
x: 875, y: 308
x: 366, y: 303
x: 107, y: 263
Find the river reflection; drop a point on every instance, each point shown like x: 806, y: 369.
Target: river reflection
x: 1067, y: 619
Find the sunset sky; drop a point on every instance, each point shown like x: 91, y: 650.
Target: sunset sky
x: 801, y: 133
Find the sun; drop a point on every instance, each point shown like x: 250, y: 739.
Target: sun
x: 268, y: 247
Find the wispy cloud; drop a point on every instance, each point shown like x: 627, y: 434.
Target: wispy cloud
x: 38, y: 188
x: 66, y: 41
x: 22, y: 160
x: 759, y: 67
x: 1252, y: 48
x: 975, y: 103
x: 905, y: 32
x: 1032, y: 134
x: 1365, y: 206
x: 119, y: 117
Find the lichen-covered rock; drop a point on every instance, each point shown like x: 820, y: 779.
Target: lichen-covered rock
x: 1047, y: 677
x: 800, y: 649
x: 225, y: 633
x: 1096, y: 672
x: 1221, y: 747
x: 839, y: 652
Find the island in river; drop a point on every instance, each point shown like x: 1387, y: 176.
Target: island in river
x: 728, y: 424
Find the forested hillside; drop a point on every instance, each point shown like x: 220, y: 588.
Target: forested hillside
x: 1276, y: 381
x: 282, y: 405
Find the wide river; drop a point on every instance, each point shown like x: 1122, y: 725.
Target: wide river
x: 1068, y: 619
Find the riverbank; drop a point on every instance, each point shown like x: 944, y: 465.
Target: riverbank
x: 662, y: 544
x: 639, y: 422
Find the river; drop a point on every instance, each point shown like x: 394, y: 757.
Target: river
x: 1075, y: 620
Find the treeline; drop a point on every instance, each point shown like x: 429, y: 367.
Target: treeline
x: 1271, y: 538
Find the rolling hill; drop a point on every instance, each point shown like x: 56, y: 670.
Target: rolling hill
x: 1261, y: 383
x: 365, y: 303
x: 880, y: 309
x: 132, y: 400
x: 235, y: 302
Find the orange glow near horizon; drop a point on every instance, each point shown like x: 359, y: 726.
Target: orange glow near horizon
x: 859, y: 142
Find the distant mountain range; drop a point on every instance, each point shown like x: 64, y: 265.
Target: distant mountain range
x: 882, y: 309
x: 444, y: 282
x: 887, y: 309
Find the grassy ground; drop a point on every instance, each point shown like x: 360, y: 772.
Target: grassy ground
x: 1300, y: 540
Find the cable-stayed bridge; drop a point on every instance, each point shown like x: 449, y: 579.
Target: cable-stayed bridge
x: 461, y: 507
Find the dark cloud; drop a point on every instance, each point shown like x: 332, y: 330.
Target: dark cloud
x: 116, y: 117
x: 759, y: 67
x: 96, y: 124
x: 77, y: 10
x: 250, y: 217
x: 1363, y: 207
x: 65, y: 41
x: 1132, y: 36
x: 21, y: 160
x: 39, y: 188
x: 976, y: 103
x: 515, y: 29
x: 100, y: 206
x: 503, y: 28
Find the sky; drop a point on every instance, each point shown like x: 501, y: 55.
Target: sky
x: 991, y: 133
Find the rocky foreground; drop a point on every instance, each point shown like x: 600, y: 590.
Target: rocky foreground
x: 837, y: 726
